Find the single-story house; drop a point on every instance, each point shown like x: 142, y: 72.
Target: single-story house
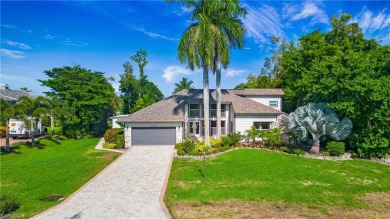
x: 170, y: 120
x: 12, y: 96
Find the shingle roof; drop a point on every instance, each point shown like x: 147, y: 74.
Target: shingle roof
x: 172, y: 108
x: 13, y: 95
x: 256, y: 91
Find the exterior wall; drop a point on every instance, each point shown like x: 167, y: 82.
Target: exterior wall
x: 244, y: 122
x: 265, y: 100
x: 114, y: 124
x: 129, y: 125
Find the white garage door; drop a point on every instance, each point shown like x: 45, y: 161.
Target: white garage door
x: 153, y: 136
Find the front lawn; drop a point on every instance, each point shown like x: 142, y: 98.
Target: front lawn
x: 253, y: 182
x: 52, y: 168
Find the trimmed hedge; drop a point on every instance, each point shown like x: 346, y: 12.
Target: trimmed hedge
x: 335, y: 148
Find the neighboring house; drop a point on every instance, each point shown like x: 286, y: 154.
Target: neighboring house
x: 12, y: 95
x: 114, y: 120
x: 172, y: 119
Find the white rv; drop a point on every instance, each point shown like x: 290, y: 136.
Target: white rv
x: 18, y: 128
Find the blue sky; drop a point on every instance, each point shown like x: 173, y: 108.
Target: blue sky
x: 102, y: 35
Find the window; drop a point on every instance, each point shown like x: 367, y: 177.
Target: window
x: 193, y: 110
x: 273, y: 103
x: 262, y: 125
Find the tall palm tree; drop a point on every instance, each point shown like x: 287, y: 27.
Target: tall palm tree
x: 230, y: 25
x: 183, y: 84
x: 7, y: 112
x: 30, y: 108
x: 205, y: 41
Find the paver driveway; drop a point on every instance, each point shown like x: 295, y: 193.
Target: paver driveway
x: 128, y: 188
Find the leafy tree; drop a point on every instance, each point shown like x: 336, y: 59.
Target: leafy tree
x: 183, y: 84
x: 89, y: 98
x: 317, y: 120
x: 137, y: 93
x: 349, y: 73
x: 7, y: 112
x: 28, y: 108
x: 56, y: 109
x: 25, y: 89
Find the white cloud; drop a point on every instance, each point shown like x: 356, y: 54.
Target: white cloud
x: 155, y: 35
x: 17, y: 44
x: 234, y: 72
x: 374, y: 25
x: 309, y: 9
x: 172, y: 72
x: 7, y: 26
x: 262, y: 23
x: 183, y: 10
x: 50, y: 37
x: 69, y: 42
x: 12, y: 54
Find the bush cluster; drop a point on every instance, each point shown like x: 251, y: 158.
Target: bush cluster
x: 335, y: 148
x: 113, y: 139
x: 299, y: 152
x: 193, y: 146
x: 7, y: 205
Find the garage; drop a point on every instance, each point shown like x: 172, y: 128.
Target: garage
x: 153, y: 136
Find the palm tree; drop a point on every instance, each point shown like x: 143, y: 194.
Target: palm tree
x: 317, y: 120
x: 183, y: 84
x: 205, y: 41
x: 227, y: 19
x: 7, y: 113
x: 54, y: 109
x: 30, y: 108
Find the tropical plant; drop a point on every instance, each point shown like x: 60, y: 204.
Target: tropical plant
x: 253, y: 133
x: 28, y: 109
x: 317, y: 120
x: 335, y: 148
x: 7, y: 112
x: 204, y: 44
x: 55, y: 109
x: 183, y: 84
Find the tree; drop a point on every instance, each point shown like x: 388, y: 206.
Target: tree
x: 226, y: 17
x: 55, y: 109
x: 89, y: 98
x: 25, y: 89
x: 317, y: 120
x: 183, y: 84
x: 137, y: 93
x: 29, y: 109
x: 7, y: 113
x: 252, y: 134
x: 349, y: 73
x: 204, y: 44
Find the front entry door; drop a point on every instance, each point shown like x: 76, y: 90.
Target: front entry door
x: 194, y: 128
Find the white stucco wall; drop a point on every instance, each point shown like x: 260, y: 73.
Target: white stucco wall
x: 128, y: 127
x: 244, y: 122
x: 265, y: 100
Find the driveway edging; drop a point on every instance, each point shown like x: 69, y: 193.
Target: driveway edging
x: 164, y: 188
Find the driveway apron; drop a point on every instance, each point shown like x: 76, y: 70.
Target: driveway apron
x: 129, y: 188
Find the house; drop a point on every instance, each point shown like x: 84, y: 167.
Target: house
x: 12, y: 96
x: 172, y: 119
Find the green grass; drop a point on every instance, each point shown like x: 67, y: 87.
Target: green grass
x: 253, y: 175
x: 36, y: 172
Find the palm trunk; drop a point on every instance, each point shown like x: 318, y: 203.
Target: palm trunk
x: 32, y: 132
x: 52, y: 125
x: 206, y: 105
x: 218, y: 79
x: 7, y: 148
x: 315, y: 149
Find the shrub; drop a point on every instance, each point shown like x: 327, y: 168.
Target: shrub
x: 226, y: 141
x: 236, y: 137
x: 271, y: 137
x: 284, y: 149
x: 200, y: 147
x: 121, y: 141
x: 299, y: 152
x: 2, y: 132
x: 180, y: 148
x: 325, y: 153
x: 189, y: 144
x: 109, y: 145
x: 335, y: 148
x: 111, y: 136
x: 7, y: 205
x: 215, y: 143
